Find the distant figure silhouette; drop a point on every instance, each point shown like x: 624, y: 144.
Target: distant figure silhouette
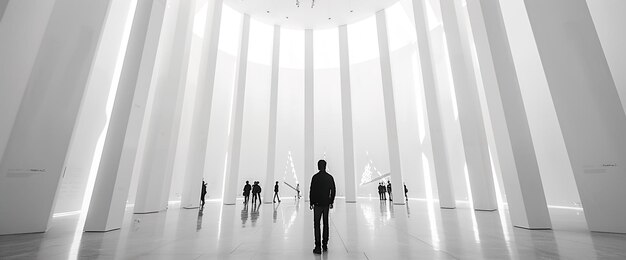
x: 405, y: 193
x: 256, y: 192
x: 203, y: 193
x: 389, y: 190
x: 246, y: 192
x: 322, y: 197
x: 384, y: 188
x: 380, y: 191
x: 298, y: 191
x: 276, y: 193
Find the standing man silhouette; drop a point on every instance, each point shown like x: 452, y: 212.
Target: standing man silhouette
x: 405, y: 193
x: 246, y: 192
x: 384, y: 188
x: 256, y: 187
x: 203, y: 193
x: 389, y: 190
x: 298, y: 191
x: 254, y: 191
x: 322, y: 197
x: 276, y: 193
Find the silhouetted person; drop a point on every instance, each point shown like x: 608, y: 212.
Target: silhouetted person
x: 276, y: 193
x: 384, y: 188
x: 405, y: 193
x: 298, y: 190
x: 389, y: 190
x: 380, y: 191
x: 203, y: 193
x: 322, y: 197
x: 246, y: 192
x: 256, y: 192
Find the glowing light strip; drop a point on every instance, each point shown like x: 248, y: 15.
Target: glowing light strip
x: 471, y: 202
x: 565, y: 207
x: 65, y: 214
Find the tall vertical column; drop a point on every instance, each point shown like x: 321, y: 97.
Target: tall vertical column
x: 514, y: 144
x: 309, y: 107
x: 108, y: 200
x: 588, y: 108
x: 202, y: 107
x: 34, y: 157
x: 234, y: 148
x: 390, y: 109
x: 162, y: 132
x: 22, y: 28
x: 91, y: 123
x: 470, y: 117
x: 346, y: 115
x: 429, y: 80
x: 271, y: 133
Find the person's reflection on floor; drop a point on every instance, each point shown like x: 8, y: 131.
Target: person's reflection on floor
x: 408, y: 210
x: 254, y: 214
x: 297, y: 206
x: 383, y: 207
x: 244, y: 215
x: 275, y: 216
x: 199, y: 222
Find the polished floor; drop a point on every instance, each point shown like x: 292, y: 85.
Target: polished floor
x: 369, y: 229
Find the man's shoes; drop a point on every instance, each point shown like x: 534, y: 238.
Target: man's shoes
x: 325, y: 248
x: 317, y: 250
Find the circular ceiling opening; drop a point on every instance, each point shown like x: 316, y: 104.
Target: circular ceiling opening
x: 309, y: 14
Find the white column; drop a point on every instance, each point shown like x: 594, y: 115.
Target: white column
x: 202, y: 108
x: 234, y: 149
x: 34, y: 158
x: 162, y: 132
x: 310, y: 164
x: 346, y: 115
x: 91, y: 123
x: 108, y: 200
x: 608, y: 18
x: 271, y: 138
x: 390, y: 109
x: 22, y: 28
x: 429, y: 80
x: 514, y: 144
x: 470, y: 117
x: 587, y: 104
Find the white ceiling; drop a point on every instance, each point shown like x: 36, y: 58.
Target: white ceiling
x: 287, y: 14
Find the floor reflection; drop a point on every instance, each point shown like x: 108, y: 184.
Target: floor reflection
x: 244, y: 215
x: 368, y: 229
x: 199, y: 220
x: 254, y: 214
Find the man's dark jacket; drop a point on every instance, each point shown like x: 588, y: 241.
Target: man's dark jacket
x: 322, y: 191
